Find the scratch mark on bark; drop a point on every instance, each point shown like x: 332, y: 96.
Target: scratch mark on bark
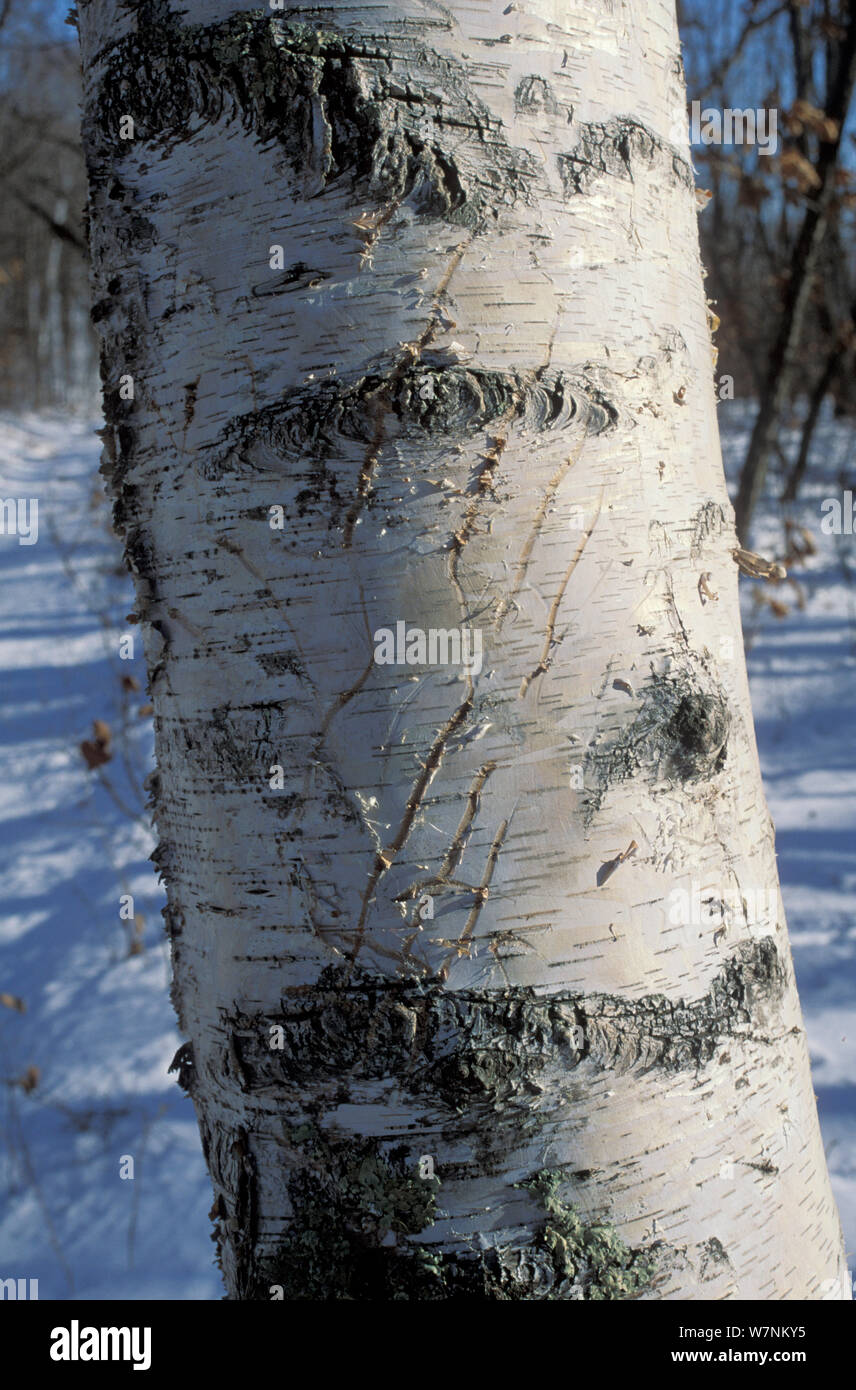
x: 379, y: 408
x: 455, y: 851
x: 459, y: 538
x: 386, y: 859
x: 544, y: 662
x: 453, y: 855
x: 522, y: 565
x: 482, y: 893
x: 344, y: 697
x: 382, y: 401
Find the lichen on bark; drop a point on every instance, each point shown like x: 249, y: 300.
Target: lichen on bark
x: 577, y: 1259
x: 354, y: 1202
x: 355, y: 1210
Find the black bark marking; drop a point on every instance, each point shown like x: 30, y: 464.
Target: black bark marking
x: 697, y: 731
x: 183, y: 1063
x: 432, y: 401
x: 713, y: 1256
x: 355, y: 1202
x: 393, y: 115
x: 680, y: 733
x: 469, y: 1050
x: 533, y: 94
x: 612, y: 149
x: 708, y: 524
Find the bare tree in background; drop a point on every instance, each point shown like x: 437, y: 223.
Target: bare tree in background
x: 779, y: 239
x: 47, y: 346
x: 787, y: 354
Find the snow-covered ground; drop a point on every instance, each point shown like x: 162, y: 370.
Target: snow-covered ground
x: 802, y: 671
x: 98, y: 1023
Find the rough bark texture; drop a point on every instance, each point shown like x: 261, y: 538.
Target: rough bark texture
x: 480, y: 387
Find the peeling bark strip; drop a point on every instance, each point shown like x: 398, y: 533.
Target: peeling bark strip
x: 413, y: 311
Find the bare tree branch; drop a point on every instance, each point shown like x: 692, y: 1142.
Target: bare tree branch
x: 722, y: 69
x: 59, y: 229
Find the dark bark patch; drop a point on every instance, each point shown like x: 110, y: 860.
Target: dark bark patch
x: 236, y: 745
x: 680, y: 733
x: 123, y: 326
x: 430, y: 401
x: 534, y: 94
x: 713, y: 1257
x: 349, y: 1198
x: 183, y: 1063
x: 391, y: 114
x: 235, y: 1211
x: 697, y: 732
x: 281, y: 663
x: 462, y: 1048
x: 354, y: 1202
x: 613, y: 149
x: 470, y: 1051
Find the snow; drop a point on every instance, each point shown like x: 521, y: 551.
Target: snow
x: 802, y: 669
x: 99, y: 1024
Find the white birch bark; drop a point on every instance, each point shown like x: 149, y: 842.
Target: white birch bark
x: 480, y: 388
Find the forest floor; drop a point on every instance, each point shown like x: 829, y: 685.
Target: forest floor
x: 84, y: 1066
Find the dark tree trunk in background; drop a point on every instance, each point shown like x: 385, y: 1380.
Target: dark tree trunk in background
x: 782, y: 377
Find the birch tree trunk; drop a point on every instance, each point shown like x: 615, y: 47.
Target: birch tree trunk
x: 479, y: 997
